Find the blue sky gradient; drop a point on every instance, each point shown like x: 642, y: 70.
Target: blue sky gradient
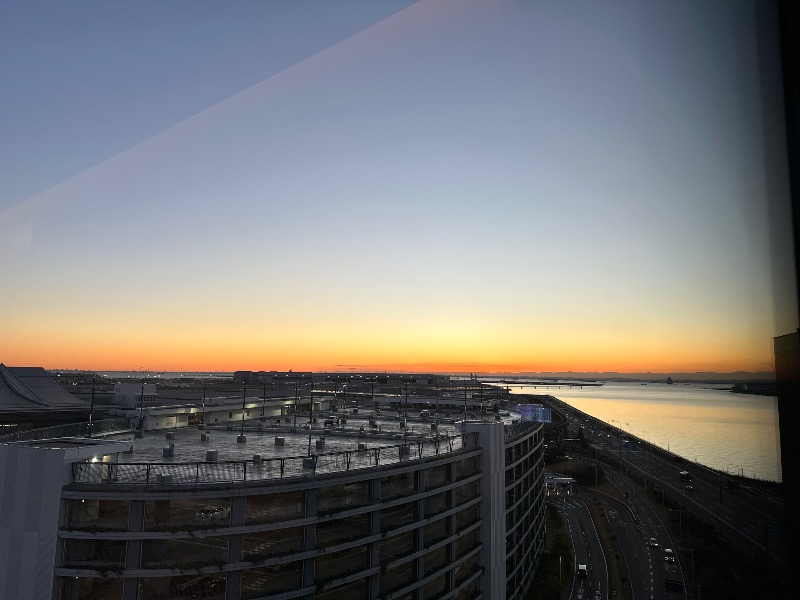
x: 543, y: 185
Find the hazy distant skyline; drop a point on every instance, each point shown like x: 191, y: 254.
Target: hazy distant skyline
x: 503, y: 185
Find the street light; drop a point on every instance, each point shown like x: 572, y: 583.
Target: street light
x: 310, y: 409
x: 242, y: 439
x: 91, y: 406
x: 203, y: 406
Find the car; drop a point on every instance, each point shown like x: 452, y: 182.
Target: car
x: 328, y: 423
x: 669, y: 555
x: 425, y: 414
x: 688, y: 489
x: 582, y: 571
x: 212, y: 513
x: 653, y: 543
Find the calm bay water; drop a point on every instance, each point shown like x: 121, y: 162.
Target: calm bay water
x: 726, y: 431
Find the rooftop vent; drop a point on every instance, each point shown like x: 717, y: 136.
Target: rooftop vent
x: 212, y: 455
x: 280, y: 440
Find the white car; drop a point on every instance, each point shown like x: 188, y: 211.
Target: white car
x: 669, y: 555
x: 212, y: 513
x: 653, y: 543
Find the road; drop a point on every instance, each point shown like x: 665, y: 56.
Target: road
x: 651, y: 563
x: 587, y: 549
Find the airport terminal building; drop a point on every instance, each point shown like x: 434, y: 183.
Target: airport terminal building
x: 201, y: 513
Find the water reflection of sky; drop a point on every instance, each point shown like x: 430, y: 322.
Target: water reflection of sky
x: 713, y: 426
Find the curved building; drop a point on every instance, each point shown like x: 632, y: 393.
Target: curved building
x: 458, y: 515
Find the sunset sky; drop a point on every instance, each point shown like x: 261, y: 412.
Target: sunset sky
x: 441, y: 185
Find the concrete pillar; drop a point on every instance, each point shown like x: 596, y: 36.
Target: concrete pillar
x: 133, y: 550
x: 493, y: 508
x: 233, y: 585
x: 310, y: 538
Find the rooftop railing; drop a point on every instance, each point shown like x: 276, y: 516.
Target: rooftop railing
x: 70, y: 430
x: 268, y: 469
x: 518, y: 429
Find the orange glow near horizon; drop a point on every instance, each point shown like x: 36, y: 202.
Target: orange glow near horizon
x: 137, y: 347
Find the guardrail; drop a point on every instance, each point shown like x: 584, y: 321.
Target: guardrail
x: 268, y: 469
x: 69, y: 430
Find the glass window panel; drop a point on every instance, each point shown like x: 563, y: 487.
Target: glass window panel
x: 186, y: 514
x: 180, y: 587
x: 395, y: 486
x: 435, y: 587
x: 340, y: 564
x: 269, y: 544
x: 89, y: 588
x: 435, y: 504
x: 266, y: 508
x: 351, y: 591
x: 94, y: 551
x: 436, y: 477
x: 436, y: 531
x: 397, y: 577
x: 339, y: 531
x: 274, y: 579
x: 396, y: 516
x: 338, y: 497
x: 395, y: 546
x: 98, y: 514
x: 185, y: 552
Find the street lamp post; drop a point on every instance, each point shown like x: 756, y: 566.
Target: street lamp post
x: 310, y: 411
x: 242, y: 439
x: 465, y: 403
x: 203, y: 406
x: 405, y: 419
x: 296, y: 398
x: 91, y: 406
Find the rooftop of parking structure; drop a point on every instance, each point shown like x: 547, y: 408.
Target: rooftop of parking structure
x: 260, y: 437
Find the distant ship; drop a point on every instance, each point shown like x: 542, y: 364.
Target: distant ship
x: 669, y: 380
